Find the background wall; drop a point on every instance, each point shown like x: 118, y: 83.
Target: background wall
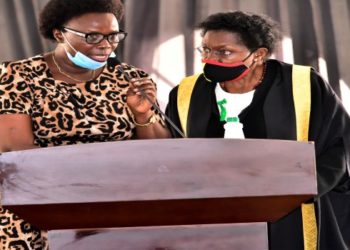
x: 162, y: 37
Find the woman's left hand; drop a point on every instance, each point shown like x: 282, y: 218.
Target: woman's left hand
x: 138, y: 104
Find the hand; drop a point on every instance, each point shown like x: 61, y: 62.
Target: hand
x: 138, y: 104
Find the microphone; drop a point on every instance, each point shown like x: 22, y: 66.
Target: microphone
x: 144, y: 95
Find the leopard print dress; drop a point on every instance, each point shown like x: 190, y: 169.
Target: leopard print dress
x: 62, y: 114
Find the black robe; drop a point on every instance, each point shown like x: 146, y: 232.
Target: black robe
x: 271, y: 115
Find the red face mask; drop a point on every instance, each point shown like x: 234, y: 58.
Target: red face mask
x: 215, y: 71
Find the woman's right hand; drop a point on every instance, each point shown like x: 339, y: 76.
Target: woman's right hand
x: 137, y: 102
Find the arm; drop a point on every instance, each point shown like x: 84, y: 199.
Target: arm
x: 16, y: 132
x: 329, y: 128
x: 15, y: 104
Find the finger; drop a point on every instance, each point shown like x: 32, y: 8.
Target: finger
x: 143, y: 82
x: 140, y: 79
x: 144, y: 94
x: 130, y: 91
x: 150, y: 93
x: 145, y: 88
x: 149, y: 96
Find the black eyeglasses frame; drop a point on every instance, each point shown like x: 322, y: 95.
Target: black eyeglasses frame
x: 119, y: 33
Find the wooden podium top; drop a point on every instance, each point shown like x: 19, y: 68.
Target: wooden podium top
x: 158, y: 182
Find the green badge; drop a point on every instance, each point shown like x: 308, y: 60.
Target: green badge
x: 223, y: 111
x: 232, y: 119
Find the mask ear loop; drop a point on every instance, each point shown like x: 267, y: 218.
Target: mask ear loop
x: 70, y: 45
x: 254, y: 60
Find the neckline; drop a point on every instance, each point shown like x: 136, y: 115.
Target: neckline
x: 62, y: 72
x: 219, y: 88
x: 48, y: 72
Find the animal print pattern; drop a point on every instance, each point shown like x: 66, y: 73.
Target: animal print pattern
x: 63, y: 113
x: 17, y: 234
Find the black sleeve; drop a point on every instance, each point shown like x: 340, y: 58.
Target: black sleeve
x: 329, y: 129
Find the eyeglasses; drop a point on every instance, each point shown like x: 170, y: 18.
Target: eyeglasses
x: 96, y: 38
x: 221, y: 53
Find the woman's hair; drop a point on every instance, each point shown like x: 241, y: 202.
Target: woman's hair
x: 254, y: 31
x: 58, y: 12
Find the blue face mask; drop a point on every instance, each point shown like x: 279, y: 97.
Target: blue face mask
x: 84, y: 61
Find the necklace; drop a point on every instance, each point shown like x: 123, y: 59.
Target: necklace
x: 262, y: 74
x: 261, y: 77
x: 66, y: 74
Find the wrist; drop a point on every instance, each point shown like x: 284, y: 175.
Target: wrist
x: 145, y: 120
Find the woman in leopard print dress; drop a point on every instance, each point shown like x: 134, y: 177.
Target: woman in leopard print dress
x: 78, y: 93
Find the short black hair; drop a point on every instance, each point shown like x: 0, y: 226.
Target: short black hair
x: 255, y: 31
x: 58, y: 12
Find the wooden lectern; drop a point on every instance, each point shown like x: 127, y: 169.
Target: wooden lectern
x: 159, y: 194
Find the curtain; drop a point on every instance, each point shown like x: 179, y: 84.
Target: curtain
x: 162, y: 35
x: 19, y: 29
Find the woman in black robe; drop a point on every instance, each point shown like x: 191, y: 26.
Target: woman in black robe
x: 235, y: 47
